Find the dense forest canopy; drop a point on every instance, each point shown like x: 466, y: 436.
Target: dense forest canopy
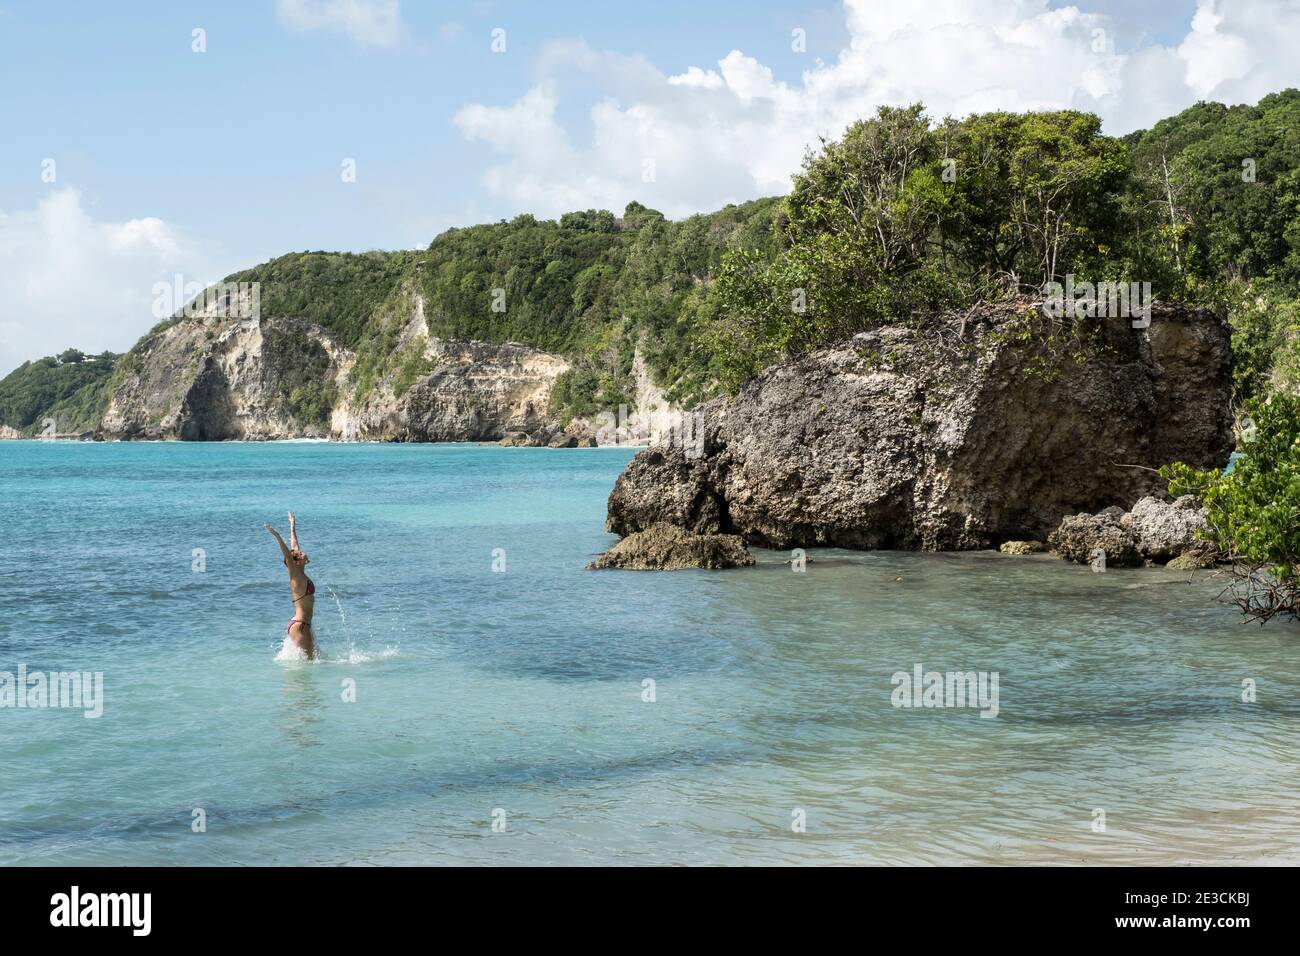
x: 901, y: 214
x: 69, y: 389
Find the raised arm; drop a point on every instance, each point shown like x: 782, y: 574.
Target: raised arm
x: 293, y: 532
x: 284, y: 548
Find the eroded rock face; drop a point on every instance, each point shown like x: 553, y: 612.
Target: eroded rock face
x: 210, y: 377
x: 213, y: 379
x: 216, y: 379
x: 666, y: 547
x: 913, y: 437
x: 475, y: 391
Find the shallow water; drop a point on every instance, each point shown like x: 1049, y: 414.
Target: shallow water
x: 518, y: 696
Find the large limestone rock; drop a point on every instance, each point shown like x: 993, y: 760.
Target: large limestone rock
x: 915, y: 436
x: 1165, y: 529
x: 665, y: 547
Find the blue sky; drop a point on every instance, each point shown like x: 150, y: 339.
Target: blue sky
x: 167, y: 160
x: 245, y: 141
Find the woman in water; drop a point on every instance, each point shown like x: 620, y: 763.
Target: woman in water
x: 302, y: 589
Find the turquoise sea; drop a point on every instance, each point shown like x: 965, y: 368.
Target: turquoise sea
x: 504, y: 716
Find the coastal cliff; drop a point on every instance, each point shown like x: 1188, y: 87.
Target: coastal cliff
x: 210, y: 379
x: 945, y: 432
x: 452, y: 391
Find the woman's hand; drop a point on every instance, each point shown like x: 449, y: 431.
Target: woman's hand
x: 268, y: 527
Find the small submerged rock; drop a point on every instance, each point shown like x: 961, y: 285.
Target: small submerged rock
x: 1022, y: 547
x: 666, y: 547
x: 545, y: 438
x: 1203, y: 556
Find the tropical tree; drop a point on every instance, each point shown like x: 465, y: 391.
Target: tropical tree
x: 1253, y: 511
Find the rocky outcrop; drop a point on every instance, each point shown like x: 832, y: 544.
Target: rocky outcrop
x: 1155, y: 531
x: 211, y: 379
x: 945, y: 432
x: 1194, y: 559
x: 666, y: 547
x: 1163, y: 530
x: 474, y: 391
x: 1086, y: 539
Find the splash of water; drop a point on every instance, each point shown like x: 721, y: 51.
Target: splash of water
x: 343, y: 618
x: 352, y: 655
x: 291, y: 652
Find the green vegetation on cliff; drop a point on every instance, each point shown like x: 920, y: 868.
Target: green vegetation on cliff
x: 70, y: 389
x: 304, y: 381
x: 591, y: 286
x: 341, y: 291
x: 1215, y: 198
x: 900, y: 215
x: 903, y: 215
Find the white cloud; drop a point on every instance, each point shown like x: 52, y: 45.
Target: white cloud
x: 69, y: 281
x: 376, y: 23
x: 1212, y: 56
x: 710, y: 135
x: 704, y: 79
